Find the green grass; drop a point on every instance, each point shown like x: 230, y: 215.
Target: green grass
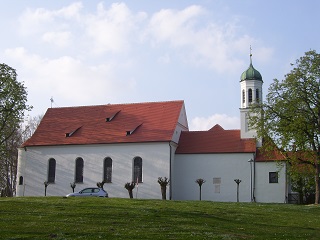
x: 99, y: 218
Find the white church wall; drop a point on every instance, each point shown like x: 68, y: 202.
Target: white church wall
x: 33, y: 166
x: 270, y: 192
x: 182, y: 125
x: 212, y: 168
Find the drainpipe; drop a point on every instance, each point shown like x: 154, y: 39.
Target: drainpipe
x: 170, y: 169
x: 254, y: 178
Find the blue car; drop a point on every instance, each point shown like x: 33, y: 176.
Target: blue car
x: 89, y: 192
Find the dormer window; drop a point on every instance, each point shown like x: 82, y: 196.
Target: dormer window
x: 130, y: 132
x: 69, y: 134
x: 108, y: 119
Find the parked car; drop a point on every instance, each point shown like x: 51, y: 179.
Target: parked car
x: 89, y: 192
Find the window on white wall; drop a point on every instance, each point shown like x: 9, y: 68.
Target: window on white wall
x: 216, y: 183
x: 51, y: 170
x: 250, y: 95
x: 107, y: 170
x: 20, y: 180
x: 79, y: 171
x: 273, y: 177
x: 137, y: 170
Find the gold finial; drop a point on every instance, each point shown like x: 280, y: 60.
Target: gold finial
x: 250, y: 55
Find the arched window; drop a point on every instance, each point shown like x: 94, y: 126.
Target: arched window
x: 79, y: 171
x: 243, y: 96
x: 250, y: 95
x: 137, y: 170
x: 51, y: 170
x: 20, y: 180
x: 107, y: 170
x: 257, y: 95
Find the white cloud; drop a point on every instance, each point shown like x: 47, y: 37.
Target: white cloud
x: 225, y: 121
x: 70, y: 78
x: 199, y: 41
x: 60, y: 39
x: 39, y: 20
x: 112, y: 29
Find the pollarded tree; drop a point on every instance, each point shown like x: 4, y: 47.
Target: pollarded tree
x: 200, y: 181
x: 130, y: 186
x: 163, y: 182
x: 290, y: 118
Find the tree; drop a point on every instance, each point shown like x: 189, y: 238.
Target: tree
x: 13, y: 98
x: 289, y: 119
x: 163, y: 184
x: 101, y: 184
x: 73, y: 186
x: 130, y: 186
x: 46, y: 184
x: 200, y: 181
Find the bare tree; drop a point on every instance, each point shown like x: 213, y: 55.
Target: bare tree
x: 130, y: 186
x: 163, y: 184
x: 200, y: 181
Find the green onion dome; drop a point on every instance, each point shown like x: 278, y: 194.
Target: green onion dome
x: 251, y: 74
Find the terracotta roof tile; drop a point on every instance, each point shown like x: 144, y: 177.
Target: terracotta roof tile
x: 263, y: 156
x: 155, y: 121
x: 215, y: 140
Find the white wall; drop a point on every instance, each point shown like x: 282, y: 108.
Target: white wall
x: 270, y: 192
x: 189, y: 167
x: 33, y: 166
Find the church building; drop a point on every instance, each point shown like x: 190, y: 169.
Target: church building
x: 139, y: 142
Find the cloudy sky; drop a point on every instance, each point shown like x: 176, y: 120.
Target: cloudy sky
x: 100, y: 52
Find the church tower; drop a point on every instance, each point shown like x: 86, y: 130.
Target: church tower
x: 251, y: 92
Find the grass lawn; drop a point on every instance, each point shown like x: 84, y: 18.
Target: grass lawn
x: 113, y: 218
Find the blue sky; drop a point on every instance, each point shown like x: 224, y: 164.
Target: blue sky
x: 99, y: 52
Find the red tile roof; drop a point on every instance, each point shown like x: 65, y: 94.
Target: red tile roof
x: 136, y: 122
x: 215, y: 140
x: 264, y: 156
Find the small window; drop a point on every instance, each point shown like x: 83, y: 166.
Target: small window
x: 250, y: 95
x: 107, y: 170
x: 257, y: 95
x: 79, y: 171
x: 273, y: 177
x: 137, y: 170
x: 217, y: 180
x: 20, y: 180
x: 52, y: 170
x: 243, y: 96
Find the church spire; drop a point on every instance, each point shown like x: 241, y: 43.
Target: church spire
x: 250, y: 55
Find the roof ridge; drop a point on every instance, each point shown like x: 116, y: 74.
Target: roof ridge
x: 117, y: 104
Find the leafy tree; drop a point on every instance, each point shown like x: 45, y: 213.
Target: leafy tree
x: 13, y: 98
x: 163, y: 184
x: 130, y: 186
x: 290, y: 118
x: 200, y: 181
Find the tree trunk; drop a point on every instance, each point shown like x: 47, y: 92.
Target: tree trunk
x: 317, y: 179
x: 164, y: 192
x: 130, y: 193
